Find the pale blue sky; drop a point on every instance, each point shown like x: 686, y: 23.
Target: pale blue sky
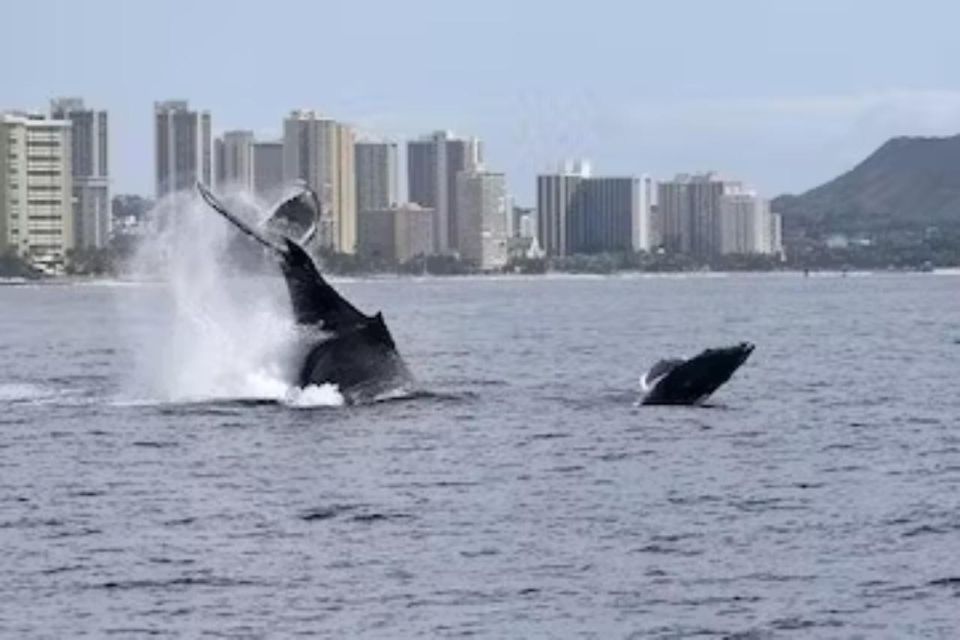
x: 782, y: 94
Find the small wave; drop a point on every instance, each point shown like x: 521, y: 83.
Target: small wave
x: 380, y: 517
x: 155, y: 444
x: 951, y: 581
x: 28, y: 393
x: 400, y: 393
x: 354, y: 513
x: 17, y: 391
x: 185, y: 581
x: 326, y: 513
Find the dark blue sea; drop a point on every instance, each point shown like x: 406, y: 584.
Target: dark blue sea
x: 158, y: 480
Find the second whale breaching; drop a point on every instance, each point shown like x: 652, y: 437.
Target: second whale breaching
x: 692, y: 381
x: 342, y: 345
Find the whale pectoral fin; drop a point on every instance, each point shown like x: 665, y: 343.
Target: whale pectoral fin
x: 657, y: 371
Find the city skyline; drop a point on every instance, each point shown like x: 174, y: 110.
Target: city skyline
x: 357, y: 182
x: 807, y: 109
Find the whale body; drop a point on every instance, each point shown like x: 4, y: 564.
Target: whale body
x: 692, y: 381
x: 342, y: 345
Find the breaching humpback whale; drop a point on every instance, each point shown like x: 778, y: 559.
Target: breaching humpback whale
x: 343, y: 346
x: 692, y: 381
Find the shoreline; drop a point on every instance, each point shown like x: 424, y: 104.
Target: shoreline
x: 551, y: 275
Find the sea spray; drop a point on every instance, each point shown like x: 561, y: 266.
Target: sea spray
x: 223, y: 331
x: 325, y: 395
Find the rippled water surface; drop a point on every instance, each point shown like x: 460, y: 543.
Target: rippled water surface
x: 526, y: 497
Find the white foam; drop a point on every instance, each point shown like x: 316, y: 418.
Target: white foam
x: 325, y: 395
x: 20, y: 391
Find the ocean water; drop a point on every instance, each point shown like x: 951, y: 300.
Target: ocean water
x: 157, y: 477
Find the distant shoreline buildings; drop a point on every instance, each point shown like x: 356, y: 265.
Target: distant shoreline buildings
x: 55, y: 192
x: 705, y: 216
x: 433, y: 163
x: 580, y: 213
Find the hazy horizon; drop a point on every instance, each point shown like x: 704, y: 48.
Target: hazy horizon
x: 780, y: 96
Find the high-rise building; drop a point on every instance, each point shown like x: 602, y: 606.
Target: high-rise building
x: 747, y: 225
x: 234, y: 160
x: 519, y: 217
x: 483, y: 208
x: 433, y: 163
x: 579, y: 213
x: 184, y: 150
x: 689, y: 212
x: 526, y: 224
x: 604, y: 214
x: 320, y: 151
x: 397, y: 233
x: 556, y: 195
x: 377, y: 174
x: 36, y: 189
x: 776, y: 234
x: 645, y: 225
x: 267, y: 169
x: 91, y: 176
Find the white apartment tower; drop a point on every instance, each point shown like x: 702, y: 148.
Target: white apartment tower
x: 747, y: 225
x: 36, y: 189
x: 483, y: 208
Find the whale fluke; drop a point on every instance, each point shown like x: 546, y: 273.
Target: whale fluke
x: 692, y: 381
x: 297, y: 216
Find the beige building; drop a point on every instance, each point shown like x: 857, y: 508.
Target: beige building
x: 320, y: 151
x: 396, y: 234
x: 483, y: 207
x: 36, y: 189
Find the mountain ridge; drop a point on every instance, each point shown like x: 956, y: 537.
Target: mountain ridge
x: 909, y: 181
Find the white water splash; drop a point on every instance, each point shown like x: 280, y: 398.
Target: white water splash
x: 222, y: 332
x: 325, y: 395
